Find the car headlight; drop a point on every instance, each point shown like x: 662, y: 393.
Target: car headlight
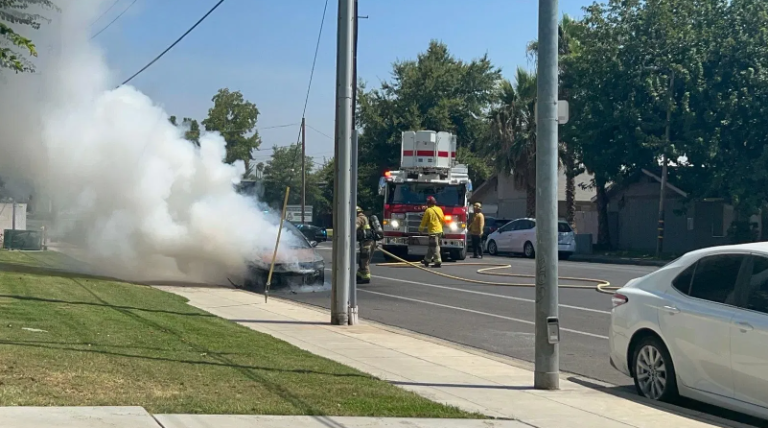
x: 453, y: 226
x: 320, y: 265
x: 395, y: 224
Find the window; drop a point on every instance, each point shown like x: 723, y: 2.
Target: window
x: 683, y: 281
x: 507, y: 227
x: 715, y: 277
x: 528, y: 225
x: 757, y: 289
x: 417, y: 193
x: 563, y: 227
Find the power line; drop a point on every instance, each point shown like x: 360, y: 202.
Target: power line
x: 288, y: 125
x: 105, y: 12
x: 320, y: 132
x: 114, y: 20
x: 176, y: 42
x: 314, y: 63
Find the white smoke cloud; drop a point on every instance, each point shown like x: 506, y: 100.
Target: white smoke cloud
x: 139, y: 200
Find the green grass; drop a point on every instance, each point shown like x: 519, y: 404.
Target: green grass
x: 109, y: 343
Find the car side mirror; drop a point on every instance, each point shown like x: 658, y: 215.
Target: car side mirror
x: 313, y: 244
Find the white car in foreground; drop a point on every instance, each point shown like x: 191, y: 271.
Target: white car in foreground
x: 519, y: 237
x: 698, y: 327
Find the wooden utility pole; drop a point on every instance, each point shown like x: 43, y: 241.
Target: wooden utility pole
x: 303, y: 167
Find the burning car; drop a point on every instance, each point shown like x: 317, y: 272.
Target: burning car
x: 298, y: 264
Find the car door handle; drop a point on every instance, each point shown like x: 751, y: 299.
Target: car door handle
x: 744, y: 326
x: 671, y: 309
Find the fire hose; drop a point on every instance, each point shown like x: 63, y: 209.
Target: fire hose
x: 492, y: 269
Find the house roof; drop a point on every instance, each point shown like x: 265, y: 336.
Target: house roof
x: 584, y: 190
x: 655, y: 175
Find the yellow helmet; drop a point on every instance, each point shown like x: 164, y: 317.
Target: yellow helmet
x: 359, y: 210
x: 477, y: 205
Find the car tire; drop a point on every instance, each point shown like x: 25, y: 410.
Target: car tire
x: 528, y: 250
x: 492, y: 248
x: 653, y: 370
x: 459, y: 254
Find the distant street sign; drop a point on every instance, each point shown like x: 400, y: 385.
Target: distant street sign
x: 563, y: 112
x: 293, y: 213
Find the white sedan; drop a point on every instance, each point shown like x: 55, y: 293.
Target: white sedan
x: 519, y: 237
x: 698, y: 327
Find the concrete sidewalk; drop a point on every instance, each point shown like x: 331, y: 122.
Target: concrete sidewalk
x: 443, y: 372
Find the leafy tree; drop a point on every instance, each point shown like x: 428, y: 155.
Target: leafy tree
x: 283, y: 170
x: 14, y: 47
x: 513, y: 130
x: 191, y: 129
x: 235, y: 118
x: 437, y: 92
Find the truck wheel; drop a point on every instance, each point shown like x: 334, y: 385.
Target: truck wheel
x: 459, y: 254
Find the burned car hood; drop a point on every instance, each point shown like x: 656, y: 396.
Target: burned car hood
x: 298, y: 260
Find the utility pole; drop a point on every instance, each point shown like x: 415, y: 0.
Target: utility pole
x: 547, y: 357
x: 660, y: 239
x: 343, y: 208
x: 353, y: 319
x: 303, y: 167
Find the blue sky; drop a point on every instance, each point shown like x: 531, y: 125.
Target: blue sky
x: 265, y: 49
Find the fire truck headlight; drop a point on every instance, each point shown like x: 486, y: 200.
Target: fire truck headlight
x: 395, y: 224
x: 453, y: 226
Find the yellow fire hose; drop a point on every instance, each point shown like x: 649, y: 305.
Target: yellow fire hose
x: 600, y: 286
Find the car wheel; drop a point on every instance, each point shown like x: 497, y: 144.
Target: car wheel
x: 492, y: 248
x: 653, y: 370
x: 528, y: 250
x: 459, y: 254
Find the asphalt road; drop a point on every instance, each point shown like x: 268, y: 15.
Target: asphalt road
x: 494, y: 318
x: 499, y: 319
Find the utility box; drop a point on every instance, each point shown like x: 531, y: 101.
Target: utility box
x: 30, y: 240
x: 428, y: 149
x: 583, y: 243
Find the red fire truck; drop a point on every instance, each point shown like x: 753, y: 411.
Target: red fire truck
x: 427, y: 168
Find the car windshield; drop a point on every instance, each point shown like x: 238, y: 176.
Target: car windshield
x: 563, y: 227
x: 417, y: 193
x: 295, y: 239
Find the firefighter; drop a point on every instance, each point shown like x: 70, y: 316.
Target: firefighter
x: 432, y: 222
x: 476, y: 230
x: 365, y: 236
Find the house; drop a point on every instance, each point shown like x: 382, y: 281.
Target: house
x: 633, y: 210
x: 501, y: 199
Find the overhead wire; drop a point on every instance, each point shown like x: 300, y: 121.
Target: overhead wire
x: 175, y: 43
x: 114, y: 20
x: 105, y: 12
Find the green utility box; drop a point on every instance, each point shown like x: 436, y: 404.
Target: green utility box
x: 30, y: 240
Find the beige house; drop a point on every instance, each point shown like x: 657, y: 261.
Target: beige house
x: 501, y: 199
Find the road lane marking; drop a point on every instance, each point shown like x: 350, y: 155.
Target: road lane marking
x: 472, y: 311
x: 481, y: 293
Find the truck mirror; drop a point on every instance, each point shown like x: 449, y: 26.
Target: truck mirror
x: 382, y: 185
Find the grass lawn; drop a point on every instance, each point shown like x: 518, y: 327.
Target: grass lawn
x: 108, y: 343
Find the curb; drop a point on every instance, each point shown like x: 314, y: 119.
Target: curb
x: 616, y: 260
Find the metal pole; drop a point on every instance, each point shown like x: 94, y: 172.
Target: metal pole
x: 342, y: 218
x: 547, y: 358
x: 353, y: 254
x: 13, y: 214
x: 353, y: 311
x: 277, y: 244
x: 660, y: 238
x: 303, y: 168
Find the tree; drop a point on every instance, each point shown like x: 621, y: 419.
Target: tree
x: 191, y: 129
x: 235, y: 118
x: 283, y: 170
x: 513, y: 130
x: 14, y: 47
x: 437, y: 92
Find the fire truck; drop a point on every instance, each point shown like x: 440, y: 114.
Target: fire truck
x: 427, y: 168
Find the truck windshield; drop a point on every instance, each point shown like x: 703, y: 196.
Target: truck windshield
x: 417, y: 193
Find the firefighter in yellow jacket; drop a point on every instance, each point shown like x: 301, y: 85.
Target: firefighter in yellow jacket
x: 366, y: 239
x: 432, y: 222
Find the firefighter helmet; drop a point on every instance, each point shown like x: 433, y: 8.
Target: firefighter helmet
x: 431, y: 200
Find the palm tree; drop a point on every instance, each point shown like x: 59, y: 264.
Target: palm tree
x: 567, y: 45
x: 513, y: 129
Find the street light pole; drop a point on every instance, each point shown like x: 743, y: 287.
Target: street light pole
x: 664, y: 161
x: 343, y: 208
x: 547, y: 336
x: 353, y: 310
x: 303, y: 167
